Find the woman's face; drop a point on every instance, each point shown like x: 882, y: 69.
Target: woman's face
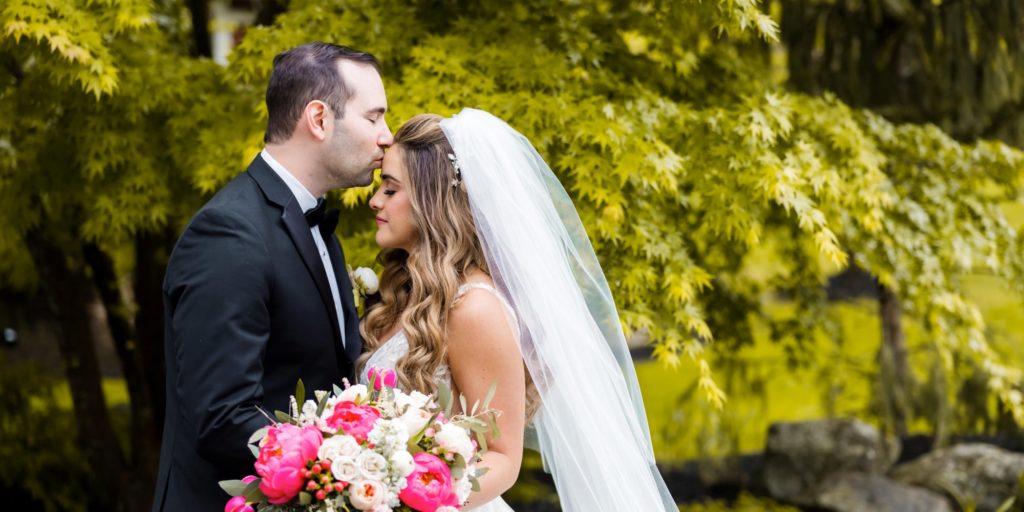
x: 396, y: 228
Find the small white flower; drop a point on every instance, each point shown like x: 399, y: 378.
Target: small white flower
x: 372, y: 466
x: 366, y: 280
x: 455, y: 439
x: 338, y: 446
x: 366, y: 494
x: 462, y: 489
x: 389, y: 435
x: 356, y: 393
x: 402, y: 463
x: 344, y: 469
x: 308, y: 412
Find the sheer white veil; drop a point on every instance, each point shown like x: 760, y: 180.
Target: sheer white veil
x: 592, y: 430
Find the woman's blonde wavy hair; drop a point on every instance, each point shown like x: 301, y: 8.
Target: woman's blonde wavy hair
x: 418, y: 288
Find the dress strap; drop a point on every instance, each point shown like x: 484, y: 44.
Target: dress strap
x: 486, y: 287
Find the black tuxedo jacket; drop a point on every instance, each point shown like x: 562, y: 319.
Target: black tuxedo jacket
x: 248, y: 312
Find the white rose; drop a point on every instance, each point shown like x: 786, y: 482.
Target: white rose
x: 354, y: 393
x: 415, y: 400
x: 414, y: 420
x: 454, y: 439
x: 366, y: 280
x: 403, y: 463
x: 344, y: 469
x: 372, y: 465
x: 338, y: 446
x: 366, y: 494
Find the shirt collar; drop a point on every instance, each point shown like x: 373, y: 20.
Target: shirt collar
x: 305, y: 198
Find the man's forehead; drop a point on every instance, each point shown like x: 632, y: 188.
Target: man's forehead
x: 364, y: 83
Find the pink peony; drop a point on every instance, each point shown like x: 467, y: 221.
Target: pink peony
x: 429, y: 485
x: 355, y: 420
x: 283, y: 455
x: 383, y: 377
x: 237, y: 504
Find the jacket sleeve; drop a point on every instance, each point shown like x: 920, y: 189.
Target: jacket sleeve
x: 218, y: 286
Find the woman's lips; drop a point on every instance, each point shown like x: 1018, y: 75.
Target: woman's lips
x: 381, y: 222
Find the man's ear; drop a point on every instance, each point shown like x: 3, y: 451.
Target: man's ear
x: 314, y: 119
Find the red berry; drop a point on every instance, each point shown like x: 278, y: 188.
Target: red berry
x: 321, y: 495
x: 311, y: 485
x: 339, y: 486
x: 317, y: 469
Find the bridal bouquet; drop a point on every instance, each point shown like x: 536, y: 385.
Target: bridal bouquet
x: 371, y: 448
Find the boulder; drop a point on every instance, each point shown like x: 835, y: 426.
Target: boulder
x: 798, y: 456
x: 862, y: 492
x: 981, y: 474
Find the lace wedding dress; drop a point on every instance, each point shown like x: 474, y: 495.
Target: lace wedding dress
x: 388, y: 354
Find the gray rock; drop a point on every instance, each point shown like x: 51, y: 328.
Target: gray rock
x: 800, y: 455
x: 982, y: 474
x: 862, y: 492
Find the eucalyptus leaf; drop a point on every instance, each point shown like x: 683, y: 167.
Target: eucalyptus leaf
x: 305, y: 498
x: 490, y: 395
x: 284, y: 417
x: 233, y: 487
x: 259, y: 435
x: 444, y: 398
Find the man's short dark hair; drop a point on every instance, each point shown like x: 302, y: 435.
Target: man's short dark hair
x: 303, y: 74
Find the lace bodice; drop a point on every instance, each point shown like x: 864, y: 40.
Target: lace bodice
x: 388, y: 354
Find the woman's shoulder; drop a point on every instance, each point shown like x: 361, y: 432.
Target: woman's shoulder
x: 480, y: 313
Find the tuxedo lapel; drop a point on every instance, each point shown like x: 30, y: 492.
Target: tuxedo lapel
x: 353, y: 340
x: 298, y: 229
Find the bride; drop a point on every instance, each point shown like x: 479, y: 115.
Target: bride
x: 489, y: 277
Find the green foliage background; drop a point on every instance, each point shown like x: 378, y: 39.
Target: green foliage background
x: 691, y: 159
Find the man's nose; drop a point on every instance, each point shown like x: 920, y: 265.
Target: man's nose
x: 386, y: 139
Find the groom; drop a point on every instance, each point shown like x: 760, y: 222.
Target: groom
x: 256, y: 293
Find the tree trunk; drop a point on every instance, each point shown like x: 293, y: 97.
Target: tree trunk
x: 201, y: 43
x: 144, y: 434
x: 68, y: 293
x: 893, y: 360
x: 151, y: 253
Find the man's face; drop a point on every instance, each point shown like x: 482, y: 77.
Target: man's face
x: 356, y: 146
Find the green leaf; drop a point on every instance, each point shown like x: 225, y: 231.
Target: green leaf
x: 233, y: 487
x: 444, y: 398
x: 284, y: 417
x: 490, y: 395
x: 300, y: 394
x: 258, y: 435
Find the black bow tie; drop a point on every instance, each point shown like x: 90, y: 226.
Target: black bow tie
x: 321, y: 216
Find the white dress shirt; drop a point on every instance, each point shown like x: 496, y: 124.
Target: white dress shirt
x: 307, y: 202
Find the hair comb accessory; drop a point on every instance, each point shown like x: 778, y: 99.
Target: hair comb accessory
x: 458, y: 172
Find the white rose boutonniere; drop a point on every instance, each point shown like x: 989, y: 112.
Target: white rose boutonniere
x: 364, y: 283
